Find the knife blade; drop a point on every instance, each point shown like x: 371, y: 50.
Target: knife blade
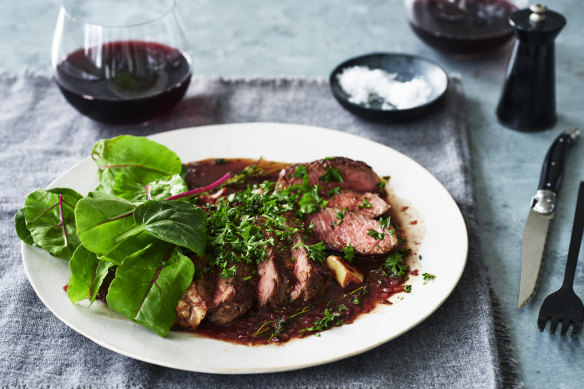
x: 541, y: 213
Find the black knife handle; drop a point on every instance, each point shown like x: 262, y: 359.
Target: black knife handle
x: 553, y: 165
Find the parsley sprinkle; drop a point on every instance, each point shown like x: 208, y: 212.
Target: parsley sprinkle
x: 394, y: 263
x: 375, y: 234
x: 349, y: 252
x: 366, y: 203
x: 333, y: 191
x: 340, y: 216
x: 381, y: 184
x: 332, y: 174
x: 385, y: 223
x: 315, y: 251
x: 427, y: 277
x: 247, y: 278
x: 407, y: 288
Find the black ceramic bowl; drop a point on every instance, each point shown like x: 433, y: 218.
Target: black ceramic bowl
x: 406, y: 67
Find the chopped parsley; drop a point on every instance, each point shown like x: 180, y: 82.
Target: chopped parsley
x: 407, y: 288
x: 340, y: 216
x: 385, y: 223
x: 365, y: 204
x: 332, y: 174
x: 349, y: 252
x: 381, y: 184
x: 300, y: 172
x: 375, y: 234
x: 394, y: 263
x: 315, y: 252
x: 334, y: 191
x: 427, y: 277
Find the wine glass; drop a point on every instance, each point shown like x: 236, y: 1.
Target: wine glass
x: 121, y: 62
x: 463, y: 28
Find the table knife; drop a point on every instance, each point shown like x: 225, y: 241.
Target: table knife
x: 541, y: 214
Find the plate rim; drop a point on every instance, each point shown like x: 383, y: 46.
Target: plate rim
x: 225, y: 370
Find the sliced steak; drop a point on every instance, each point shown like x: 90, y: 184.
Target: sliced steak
x: 233, y: 296
x: 196, y: 301
x: 356, y: 175
x: 353, y: 230
x: 274, y: 284
x: 367, y: 204
x: 312, y: 278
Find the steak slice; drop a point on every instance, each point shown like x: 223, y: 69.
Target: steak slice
x: 312, y: 278
x: 196, y: 301
x: 353, y: 230
x: 367, y: 204
x: 356, y: 175
x: 233, y: 296
x: 274, y: 284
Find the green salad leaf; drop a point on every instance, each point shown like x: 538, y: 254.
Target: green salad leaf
x: 148, y: 285
x: 87, y: 275
x: 129, y: 246
x: 159, y: 189
x: 101, y: 218
x: 21, y: 230
x: 174, y: 222
x: 49, y: 217
x: 140, y: 159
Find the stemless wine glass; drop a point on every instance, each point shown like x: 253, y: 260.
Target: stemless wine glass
x: 462, y: 28
x: 121, y: 62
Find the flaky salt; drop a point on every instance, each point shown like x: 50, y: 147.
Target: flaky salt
x: 369, y: 87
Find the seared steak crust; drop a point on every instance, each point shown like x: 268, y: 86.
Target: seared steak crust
x: 197, y: 299
x: 312, y: 278
x: 367, y: 204
x: 233, y: 296
x: 353, y: 230
x: 357, y: 175
x: 274, y: 284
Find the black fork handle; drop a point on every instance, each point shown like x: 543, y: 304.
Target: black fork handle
x: 575, y: 240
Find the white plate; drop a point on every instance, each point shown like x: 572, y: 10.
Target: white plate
x: 444, y: 251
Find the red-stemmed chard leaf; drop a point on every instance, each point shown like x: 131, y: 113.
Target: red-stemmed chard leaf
x: 156, y: 190
x: 148, y: 285
x: 201, y: 189
x: 140, y: 159
x: 50, y: 219
x: 101, y: 218
x: 87, y: 275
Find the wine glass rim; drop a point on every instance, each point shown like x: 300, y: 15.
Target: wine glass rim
x: 166, y: 12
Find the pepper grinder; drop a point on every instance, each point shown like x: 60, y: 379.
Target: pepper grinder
x: 528, y: 100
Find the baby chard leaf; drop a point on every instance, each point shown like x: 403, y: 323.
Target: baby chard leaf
x: 20, y: 226
x: 141, y: 159
x: 101, y: 218
x: 87, y: 275
x: 156, y: 190
x: 131, y: 245
x: 148, y: 285
x: 174, y: 222
x: 50, y: 219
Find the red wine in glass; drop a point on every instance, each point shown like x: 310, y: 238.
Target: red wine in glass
x: 134, y: 82
x: 466, y: 28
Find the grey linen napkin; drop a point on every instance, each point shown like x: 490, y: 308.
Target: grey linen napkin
x: 463, y: 344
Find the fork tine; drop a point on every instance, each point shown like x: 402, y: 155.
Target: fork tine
x: 554, y: 325
x: 565, y: 326
x: 577, y: 328
x: 541, y: 322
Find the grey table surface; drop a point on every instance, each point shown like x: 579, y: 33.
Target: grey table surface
x: 304, y: 38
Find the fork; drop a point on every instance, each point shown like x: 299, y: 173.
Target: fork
x: 564, y: 305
